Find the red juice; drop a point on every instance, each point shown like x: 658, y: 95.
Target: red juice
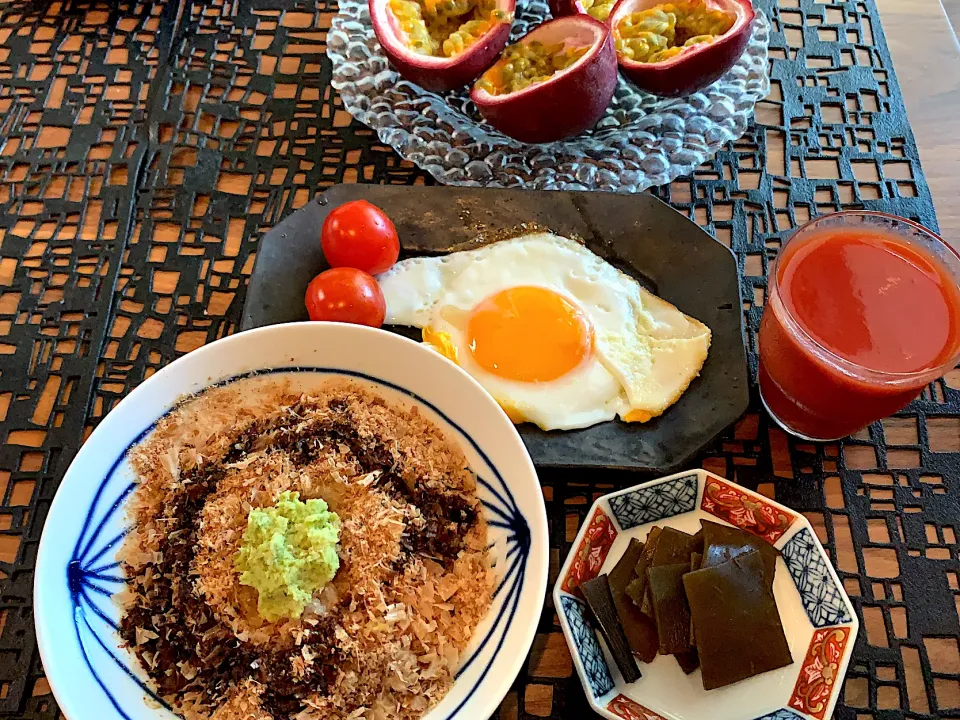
x: 863, y: 311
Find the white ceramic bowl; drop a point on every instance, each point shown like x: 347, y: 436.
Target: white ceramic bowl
x: 94, y: 678
x: 819, y: 622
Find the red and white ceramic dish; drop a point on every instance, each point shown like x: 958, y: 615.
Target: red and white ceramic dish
x: 818, y: 619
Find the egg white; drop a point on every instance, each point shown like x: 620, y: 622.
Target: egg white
x: 646, y: 352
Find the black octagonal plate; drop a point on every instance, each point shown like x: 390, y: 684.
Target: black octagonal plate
x: 642, y: 236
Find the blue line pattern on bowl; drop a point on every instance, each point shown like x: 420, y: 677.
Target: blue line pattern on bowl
x: 93, y: 577
x: 588, y: 647
x: 808, y: 568
x: 781, y: 714
x: 656, y: 502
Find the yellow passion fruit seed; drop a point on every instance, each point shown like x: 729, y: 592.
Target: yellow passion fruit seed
x: 524, y: 64
x: 598, y: 9
x: 445, y: 28
x: 662, y: 32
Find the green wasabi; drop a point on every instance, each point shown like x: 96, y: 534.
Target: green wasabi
x: 289, y: 551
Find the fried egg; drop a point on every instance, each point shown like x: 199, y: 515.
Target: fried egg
x: 558, y: 336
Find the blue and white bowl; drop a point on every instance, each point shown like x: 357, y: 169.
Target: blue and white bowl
x: 94, y: 678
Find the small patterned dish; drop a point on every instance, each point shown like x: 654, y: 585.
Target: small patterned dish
x: 818, y: 619
x: 641, y: 141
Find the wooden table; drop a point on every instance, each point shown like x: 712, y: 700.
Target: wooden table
x: 926, y: 56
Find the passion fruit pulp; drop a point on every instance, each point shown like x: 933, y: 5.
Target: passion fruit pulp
x: 677, y: 48
x: 441, y: 44
x: 524, y: 64
x: 662, y: 32
x: 597, y: 9
x: 556, y: 82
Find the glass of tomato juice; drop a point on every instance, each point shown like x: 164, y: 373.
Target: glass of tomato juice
x: 863, y: 311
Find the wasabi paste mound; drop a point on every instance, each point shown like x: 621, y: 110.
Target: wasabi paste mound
x: 289, y: 552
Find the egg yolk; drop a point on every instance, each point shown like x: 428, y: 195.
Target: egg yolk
x: 441, y: 342
x: 529, y: 334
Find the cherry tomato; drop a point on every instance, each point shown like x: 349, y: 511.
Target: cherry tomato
x: 359, y: 235
x: 346, y: 295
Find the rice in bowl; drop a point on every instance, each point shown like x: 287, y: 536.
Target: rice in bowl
x: 384, y: 638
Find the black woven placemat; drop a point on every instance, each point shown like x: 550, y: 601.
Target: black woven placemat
x: 146, y: 147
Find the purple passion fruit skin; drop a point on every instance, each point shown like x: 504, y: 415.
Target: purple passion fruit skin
x: 597, y: 9
x: 674, y: 49
x: 441, y: 44
x: 547, y: 88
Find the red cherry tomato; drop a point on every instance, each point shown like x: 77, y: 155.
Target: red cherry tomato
x: 360, y: 235
x: 346, y: 295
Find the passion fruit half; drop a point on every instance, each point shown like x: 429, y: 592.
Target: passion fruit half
x: 441, y: 44
x: 556, y: 82
x: 676, y: 48
x: 597, y: 9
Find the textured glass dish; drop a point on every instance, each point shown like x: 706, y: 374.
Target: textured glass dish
x: 641, y: 141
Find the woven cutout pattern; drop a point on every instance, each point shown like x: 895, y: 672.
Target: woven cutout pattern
x: 146, y: 147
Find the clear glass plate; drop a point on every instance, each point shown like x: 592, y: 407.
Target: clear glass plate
x: 641, y: 141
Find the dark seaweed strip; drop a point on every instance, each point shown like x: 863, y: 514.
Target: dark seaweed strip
x: 722, y: 543
x: 637, y: 589
x: 669, y: 604
x: 739, y: 632
x: 600, y: 601
x: 641, y: 632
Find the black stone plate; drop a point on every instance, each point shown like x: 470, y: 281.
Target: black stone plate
x: 639, y: 234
